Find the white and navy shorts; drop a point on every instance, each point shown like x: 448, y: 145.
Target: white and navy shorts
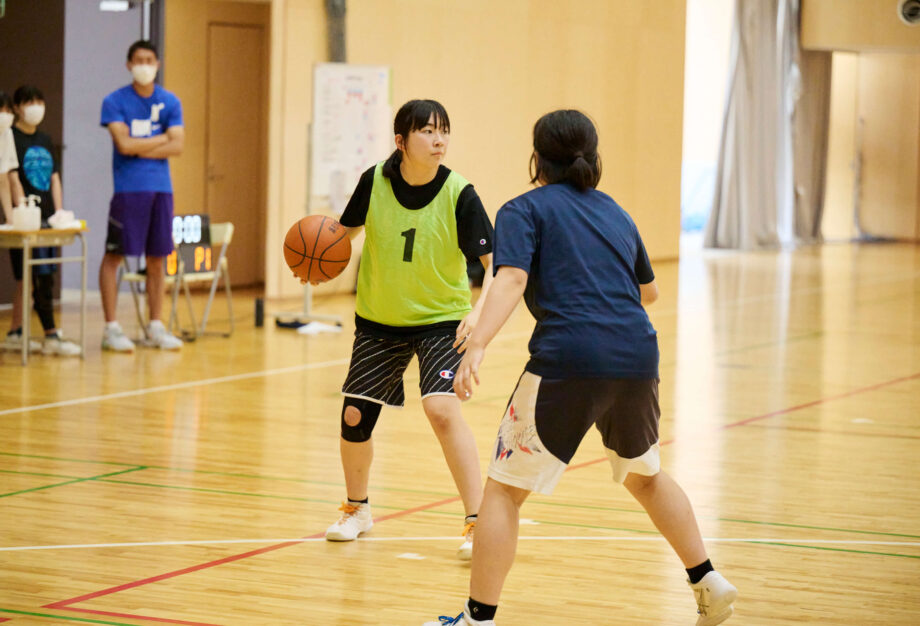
x: 378, y: 364
x: 546, y: 420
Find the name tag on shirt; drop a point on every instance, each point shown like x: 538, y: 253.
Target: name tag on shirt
x: 140, y: 128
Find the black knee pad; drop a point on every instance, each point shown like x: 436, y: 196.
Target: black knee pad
x: 370, y: 411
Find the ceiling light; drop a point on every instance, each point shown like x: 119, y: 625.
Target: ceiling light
x: 114, y: 5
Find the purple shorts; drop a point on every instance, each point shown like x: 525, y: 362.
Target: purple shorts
x: 140, y: 223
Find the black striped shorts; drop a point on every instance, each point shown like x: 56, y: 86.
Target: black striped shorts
x: 378, y: 364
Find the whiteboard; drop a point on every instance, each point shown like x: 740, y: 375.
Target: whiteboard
x: 351, y: 129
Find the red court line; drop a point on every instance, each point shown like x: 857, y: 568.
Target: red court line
x: 66, y: 603
x: 791, y: 409
x: 829, y: 431
x: 807, y: 405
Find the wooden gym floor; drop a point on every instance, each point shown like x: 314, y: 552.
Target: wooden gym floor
x: 194, y: 487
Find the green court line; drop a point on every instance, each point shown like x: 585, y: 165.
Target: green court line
x: 57, y: 458
x: 423, y: 492
x: 73, y: 619
x: 103, y: 479
x: 297, y: 480
x: 794, y: 545
x: 806, y: 527
x: 232, y: 474
x: 21, y: 473
x: 70, y: 482
x: 733, y: 520
x: 241, y: 493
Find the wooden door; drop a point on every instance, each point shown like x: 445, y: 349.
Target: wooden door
x: 234, y: 189
x: 889, y: 118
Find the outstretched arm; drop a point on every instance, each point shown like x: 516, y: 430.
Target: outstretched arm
x: 504, y: 294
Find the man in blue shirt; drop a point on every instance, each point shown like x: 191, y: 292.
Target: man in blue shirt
x: 145, y: 122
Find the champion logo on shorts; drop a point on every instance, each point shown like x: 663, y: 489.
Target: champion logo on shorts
x: 446, y: 374
x: 482, y: 242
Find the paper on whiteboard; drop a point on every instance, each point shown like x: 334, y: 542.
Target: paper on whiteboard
x: 351, y: 127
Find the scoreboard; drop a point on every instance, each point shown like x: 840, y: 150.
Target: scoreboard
x: 192, y: 238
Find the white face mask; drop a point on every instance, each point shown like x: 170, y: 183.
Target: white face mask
x: 33, y: 114
x: 6, y: 120
x: 144, y: 74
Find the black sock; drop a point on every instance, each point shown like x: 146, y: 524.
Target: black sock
x: 350, y: 501
x: 696, y: 573
x: 481, y: 612
x: 470, y: 518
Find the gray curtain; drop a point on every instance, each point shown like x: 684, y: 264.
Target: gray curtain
x: 770, y: 174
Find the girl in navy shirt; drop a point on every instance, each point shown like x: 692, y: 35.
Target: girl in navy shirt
x: 578, y: 260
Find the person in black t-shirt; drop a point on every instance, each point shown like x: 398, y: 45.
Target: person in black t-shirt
x: 39, y: 175
x: 422, y: 224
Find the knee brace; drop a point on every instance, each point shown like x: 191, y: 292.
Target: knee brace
x: 369, y: 412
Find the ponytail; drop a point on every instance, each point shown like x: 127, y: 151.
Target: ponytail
x: 391, y: 165
x: 580, y: 173
x: 565, y: 150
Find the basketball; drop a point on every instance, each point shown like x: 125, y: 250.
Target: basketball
x: 317, y: 248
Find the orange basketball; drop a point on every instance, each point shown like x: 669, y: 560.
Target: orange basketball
x: 317, y: 248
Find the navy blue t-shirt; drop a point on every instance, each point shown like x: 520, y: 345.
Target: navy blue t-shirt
x: 585, y: 261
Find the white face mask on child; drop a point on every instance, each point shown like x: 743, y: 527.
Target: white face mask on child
x: 33, y: 114
x: 6, y: 121
x: 144, y: 74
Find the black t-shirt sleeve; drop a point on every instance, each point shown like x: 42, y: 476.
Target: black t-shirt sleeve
x: 474, y: 229
x: 55, y: 161
x: 355, y: 213
x: 643, y: 265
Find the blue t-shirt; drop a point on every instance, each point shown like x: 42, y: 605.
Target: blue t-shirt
x: 585, y: 261
x: 144, y: 117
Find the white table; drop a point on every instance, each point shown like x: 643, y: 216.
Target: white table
x: 46, y: 238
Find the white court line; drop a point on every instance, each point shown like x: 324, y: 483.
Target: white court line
x: 216, y: 542
x: 499, y: 337
x: 198, y: 383
x: 192, y: 383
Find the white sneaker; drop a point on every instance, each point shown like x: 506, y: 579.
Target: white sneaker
x: 463, y: 619
x: 714, y: 597
x: 57, y: 345
x: 161, y: 338
x: 13, y: 341
x: 354, y: 521
x: 114, y: 339
x: 465, y: 551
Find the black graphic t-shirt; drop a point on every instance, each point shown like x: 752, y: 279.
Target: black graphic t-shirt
x: 36, y: 165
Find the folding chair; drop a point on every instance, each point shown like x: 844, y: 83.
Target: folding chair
x: 221, y: 235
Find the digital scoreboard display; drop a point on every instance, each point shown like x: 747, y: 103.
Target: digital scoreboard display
x: 192, y: 238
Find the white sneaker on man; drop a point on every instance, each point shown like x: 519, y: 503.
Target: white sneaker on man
x: 714, y: 597
x: 161, y: 338
x: 114, y: 339
x: 354, y: 521
x: 56, y: 344
x: 463, y: 619
x: 465, y: 551
x: 13, y: 341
